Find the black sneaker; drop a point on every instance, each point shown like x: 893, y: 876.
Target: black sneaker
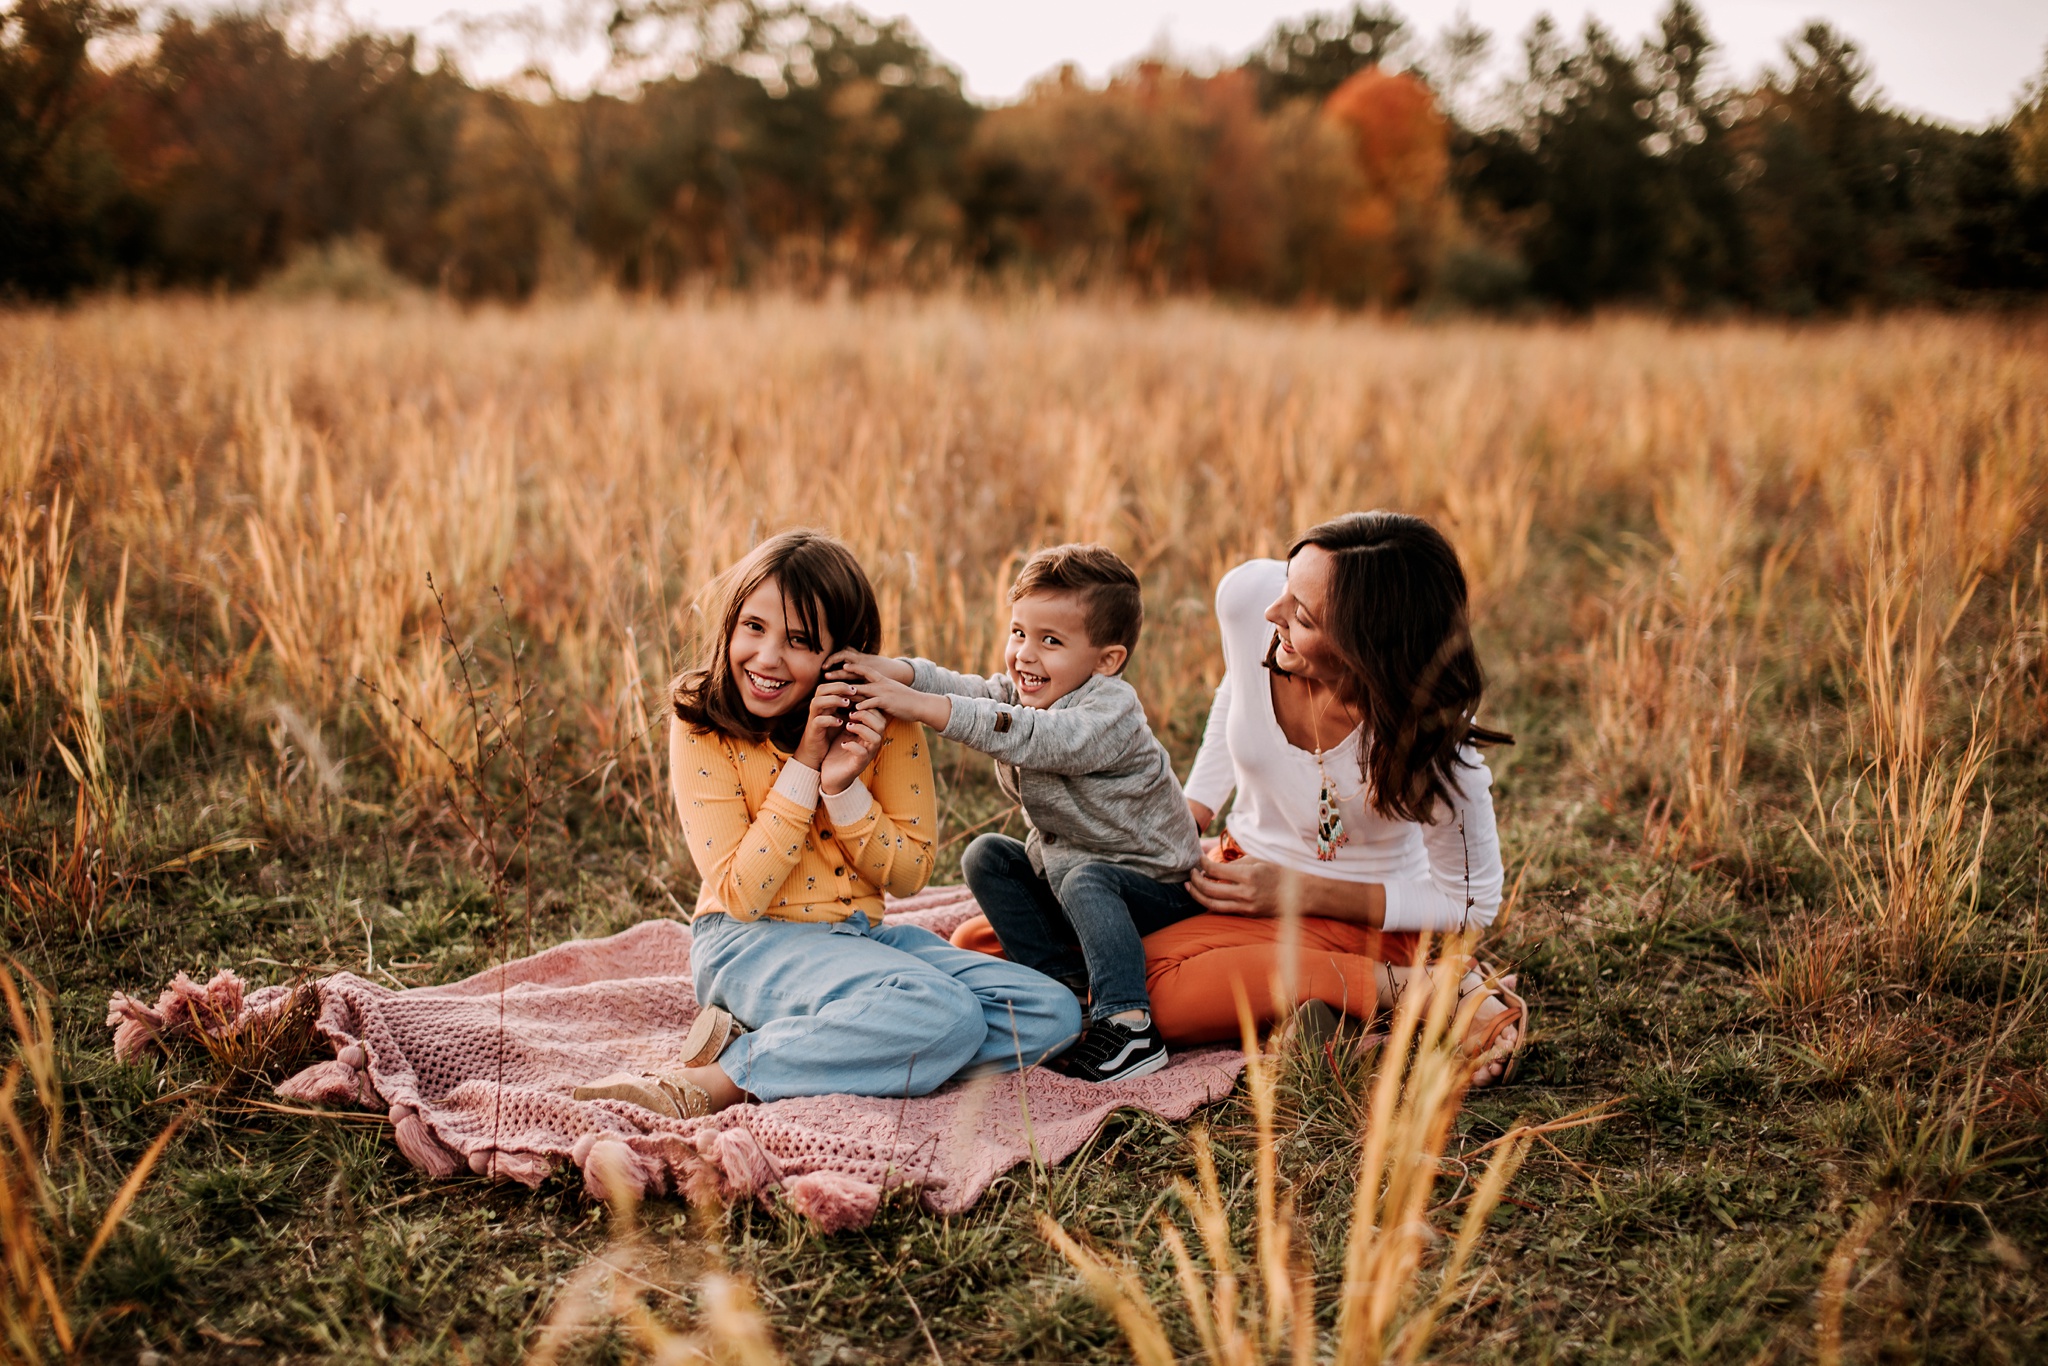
x: 1113, y: 1052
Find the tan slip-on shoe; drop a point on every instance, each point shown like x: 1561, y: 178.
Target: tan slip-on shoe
x: 675, y: 1096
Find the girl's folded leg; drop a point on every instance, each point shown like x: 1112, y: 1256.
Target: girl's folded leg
x: 1027, y: 1016
x: 835, y: 1009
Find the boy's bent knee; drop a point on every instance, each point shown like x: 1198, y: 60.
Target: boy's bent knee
x: 1092, y: 879
x: 1095, y: 888
x: 992, y: 854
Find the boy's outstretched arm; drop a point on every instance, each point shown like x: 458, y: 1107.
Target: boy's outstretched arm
x: 854, y: 664
x: 877, y: 685
x: 1070, y: 740
x: 926, y: 676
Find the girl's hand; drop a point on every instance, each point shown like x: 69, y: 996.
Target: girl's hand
x: 851, y: 664
x: 828, y: 717
x: 1245, y: 886
x: 860, y: 740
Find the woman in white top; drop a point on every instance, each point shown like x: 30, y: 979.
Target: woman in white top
x: 1344, y: 723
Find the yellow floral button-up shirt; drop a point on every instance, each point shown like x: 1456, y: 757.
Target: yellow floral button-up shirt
x: 764, y: 855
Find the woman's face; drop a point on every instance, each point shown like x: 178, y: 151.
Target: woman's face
x: 1297, y: 616
x: 774, y: 661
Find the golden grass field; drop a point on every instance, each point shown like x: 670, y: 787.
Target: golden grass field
x: 1766, y: 606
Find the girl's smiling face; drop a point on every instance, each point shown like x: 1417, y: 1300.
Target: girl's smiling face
x: 776, y: 660
x: 1298, y: 620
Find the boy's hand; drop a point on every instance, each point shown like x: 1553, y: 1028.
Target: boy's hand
x: 851, y: 664
x: 902, y: 700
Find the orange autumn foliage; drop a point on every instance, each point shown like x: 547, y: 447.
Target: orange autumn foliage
x: 1175, y: 180
x: 1400, y: 142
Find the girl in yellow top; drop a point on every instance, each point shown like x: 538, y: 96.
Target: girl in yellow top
x: 800, y: 813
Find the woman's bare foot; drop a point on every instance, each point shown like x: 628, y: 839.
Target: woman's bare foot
x: 1491, y: 1071
x: 1497, y: 1054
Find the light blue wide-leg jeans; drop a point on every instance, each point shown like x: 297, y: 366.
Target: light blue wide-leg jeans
x: 889, y: 1010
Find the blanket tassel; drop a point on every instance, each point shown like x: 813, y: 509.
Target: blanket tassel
x: 420, y: 1146
x: 833, y: 1200
x: 613, y: 1171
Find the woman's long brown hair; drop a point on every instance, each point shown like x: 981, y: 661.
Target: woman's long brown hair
x: 824, y: 590
x: 1397, y: 619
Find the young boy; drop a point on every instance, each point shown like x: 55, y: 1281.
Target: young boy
x: 1110, y: 842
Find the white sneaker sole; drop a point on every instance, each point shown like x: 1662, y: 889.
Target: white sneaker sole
x: 1143, y: 1069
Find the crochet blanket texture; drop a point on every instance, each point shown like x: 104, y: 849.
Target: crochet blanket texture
x: 475, y: 1077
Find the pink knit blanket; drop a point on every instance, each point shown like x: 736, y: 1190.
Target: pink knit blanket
x: 476, y: 1077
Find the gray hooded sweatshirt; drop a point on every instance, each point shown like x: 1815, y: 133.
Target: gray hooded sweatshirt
x: 1095, y: 784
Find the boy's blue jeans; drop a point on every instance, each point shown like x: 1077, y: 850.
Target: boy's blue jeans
x: 888, y: 1010
x: 1089, y: 932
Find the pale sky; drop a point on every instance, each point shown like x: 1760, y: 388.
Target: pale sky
x: 1964, y: 61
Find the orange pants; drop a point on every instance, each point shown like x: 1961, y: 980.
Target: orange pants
x: 1194, y: 970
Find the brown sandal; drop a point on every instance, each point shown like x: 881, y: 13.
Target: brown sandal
x: 1485, y: 977
x: 710, y: 1032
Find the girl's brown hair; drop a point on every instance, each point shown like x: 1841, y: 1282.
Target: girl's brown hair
x: 824, y: 590
x: 1397, y: 618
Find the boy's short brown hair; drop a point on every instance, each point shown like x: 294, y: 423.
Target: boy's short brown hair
x: 1109, y: 588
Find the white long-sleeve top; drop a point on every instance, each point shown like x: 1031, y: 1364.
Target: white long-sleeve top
x: 1445, y: 875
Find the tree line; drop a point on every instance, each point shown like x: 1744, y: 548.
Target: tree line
x: 739, y: 143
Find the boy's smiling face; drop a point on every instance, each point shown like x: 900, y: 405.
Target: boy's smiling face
x: 1049, y: 653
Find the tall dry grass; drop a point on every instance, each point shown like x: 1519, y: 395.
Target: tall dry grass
x: 1739, y: 573
x: 210, y: 509
x: 1674, y: 670
x: 1257, y: 1305
x: 41, y: 1180
x: 1906, y: 834
x: 615, y: 1294
x: 218, y: 517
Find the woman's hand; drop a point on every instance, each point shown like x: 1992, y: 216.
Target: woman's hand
x: 1245, y: 886
x: 1254, y: 887
x: 860, y: 740
x: 1202, y: 814
x: 828, y: 718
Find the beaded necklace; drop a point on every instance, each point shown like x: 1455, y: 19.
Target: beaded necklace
x: 1330, y: 833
